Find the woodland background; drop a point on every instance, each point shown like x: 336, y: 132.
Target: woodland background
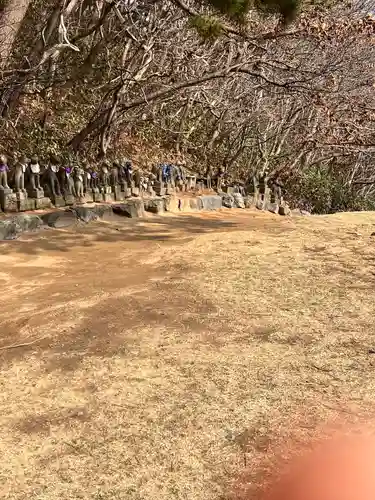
x: 270, y: 86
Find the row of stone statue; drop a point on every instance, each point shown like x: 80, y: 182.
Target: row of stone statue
x: 27, y: 175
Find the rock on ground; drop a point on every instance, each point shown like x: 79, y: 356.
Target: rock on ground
x: 284, y: 210
x: 154, y: 205
x: 59, y: 219
x: 227, y: 200
x: 131, y: 208
x: 85, y: 214
x: 9, y: 229
x: 211, y: 202
x: 28, y: 222
x: 238, y: 200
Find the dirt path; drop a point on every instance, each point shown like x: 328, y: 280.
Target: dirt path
x: 152, y: 348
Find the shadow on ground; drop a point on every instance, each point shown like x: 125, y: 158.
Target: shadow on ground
x: 114, y: 229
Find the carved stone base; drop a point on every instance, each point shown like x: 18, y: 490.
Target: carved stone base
x: 8, y: 200
x: 169, y: 189
x: 89, y: 198
x: 127, y: 193
x: 108, y: 197
x: 118, y: 194
x: 107, y: 189
x: 22, y: 204
x: 35, y: 193
x: 97, y: 197
x: 80, y: 200
x: 69, y: 199
x: 42, y: 203
x: 58, y: 201
x: 135, y: 191
x: 29, y: 204
x: 159, y: 189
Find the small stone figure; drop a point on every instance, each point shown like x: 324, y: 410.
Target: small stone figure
x: 122, y: 176
x: 220, y: 178
x: 209, y: 174
x: 70, y: 187
x: 87, y: 180
x: 78, y: 174
x: 115, y: 173
x: 157, y: 172
x: 19, y: 174
x: 137, y: 179
x: 104, y: 175
x: 276, y: 190
x: 50, y: 177
x: 34, y: 173
x: 94, y: 180
x: 129, y: 173
x: 4, y: 169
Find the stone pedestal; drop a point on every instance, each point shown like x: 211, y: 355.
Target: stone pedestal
x: 22, y: 201
x: 127, y: 192
x: 69, y: 199
x: 108, y: 197
x: 29, y: 204
x: 107, y: 189
x: 89, y: 197
x: 135, y: 191
x: 58, y: 201
x: 41, y: 203
x: 97, y: 197
x: 159, y: 189
x: 35, y: 193
x: 8, y: 200
x: 117, y: 193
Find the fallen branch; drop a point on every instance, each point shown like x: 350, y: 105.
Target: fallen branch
x: 25, y: 344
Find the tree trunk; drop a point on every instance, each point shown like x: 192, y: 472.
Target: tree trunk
x: 10, y: 21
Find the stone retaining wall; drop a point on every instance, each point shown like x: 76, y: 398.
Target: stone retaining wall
x: 12, y: 226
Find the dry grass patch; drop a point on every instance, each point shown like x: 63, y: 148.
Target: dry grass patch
x: 166, y: 372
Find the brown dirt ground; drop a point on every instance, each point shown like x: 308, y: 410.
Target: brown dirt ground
x: 160, y: 358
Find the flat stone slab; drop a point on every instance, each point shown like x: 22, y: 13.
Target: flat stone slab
x: 85, y: 214
x: 130, y: 208
x: 102, y: 211
x: 28, y: 222
x: 9, y: 229
x: 154, y: 205
x: 60, y: 219
x: 41, y: 203
x: 211, y: 202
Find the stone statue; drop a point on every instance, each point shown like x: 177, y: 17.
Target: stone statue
x: 209, y: 174
x: 129, y: 173
x: 50, y: 177
x: 87, y: 180
x: 220, y: 178
x: 94, y: 180
x: 70, y: 187
x: 157, y: 172
x: 115, y: 173
x: 4, y: 169
x: 19, y: 174
x: 78, y: 174
x: 34, y: 173
x: 137, y: 177
x: 104, y: 174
